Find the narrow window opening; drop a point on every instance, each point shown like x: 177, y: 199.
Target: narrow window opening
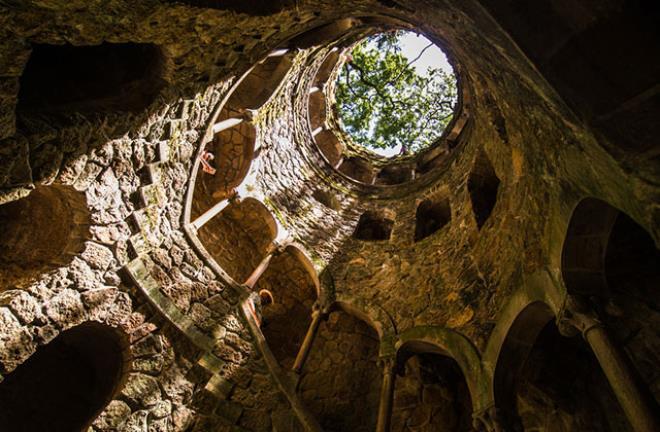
x: 431, y: 216
x: 373, y: 227
x: 483, y: 185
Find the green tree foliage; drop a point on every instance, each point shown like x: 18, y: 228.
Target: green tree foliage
x: 383, y: 102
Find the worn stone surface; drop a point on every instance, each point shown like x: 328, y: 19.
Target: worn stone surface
x: 96, y: 204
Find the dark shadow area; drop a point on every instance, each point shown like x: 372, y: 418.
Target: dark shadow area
x: 94, y: 79
x: 431, y: 215
x: 602, y: 56
x: 249, y: 7
x: 373, y: 227
x: 610, y: 259
x: 561, y: 384
x: 394, y: 174
x: 483, y: 184
x: 432, y: 395
x: 65, y: 384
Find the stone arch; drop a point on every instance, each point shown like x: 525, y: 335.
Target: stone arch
x: 375, y: 316
x: 341, y: 379
x: 613, y: 261
x: 110, y: 77
x: 240, y: 237
x: 41, y: 232
x: 293, y: 283
x: 317, y: 109
x: 66, y: 383
x: 435, y: 363
x: 518, y: 342
x: 261, y: 82
x: 449, y: 343
x: 233, y: 150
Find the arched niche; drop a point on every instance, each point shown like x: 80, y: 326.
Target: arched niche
x: 543, y: 378
x: 239, y: 237
x: 483, y: 185
x: 233, y: 151
x: 374, y: 226
x: 330, y: 146
x: 515, y: 349
x: 394, y: 174
x: 261, y: 82
x: 65, y: 384
x: 326, y: 68
x: 294, y: 286
x: 432, y: 394
x: 110, y: 77
x: 341, y: 380
x: 317, y: 109
x: 431, y: 215
x: 41, y: 232
x: 561, y: 384
x: 610, y: 259
x: 358, y: 169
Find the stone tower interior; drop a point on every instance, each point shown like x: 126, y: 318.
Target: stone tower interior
x: 189, y: 241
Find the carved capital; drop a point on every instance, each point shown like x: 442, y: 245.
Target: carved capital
x: 576, y: 316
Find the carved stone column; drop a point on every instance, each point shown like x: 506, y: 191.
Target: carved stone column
x: 386, y: 394
x: 312, y: 330
x: 252, y: 280
x: 578, y: 316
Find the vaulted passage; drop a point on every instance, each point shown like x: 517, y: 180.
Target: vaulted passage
x: 341, y: 380
x: 613, y: 261
x: 91, y: 79
x: 562, y: 384
x: 65, y: 384
x: 231, y: 152
x: 40, y: 232
x: 285, y: 321
x: 239, y: 237
x: 432, y: 395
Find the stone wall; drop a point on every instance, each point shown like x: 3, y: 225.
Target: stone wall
x: 107, y: 191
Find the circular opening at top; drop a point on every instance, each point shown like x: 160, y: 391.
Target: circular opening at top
x: 396, y: 93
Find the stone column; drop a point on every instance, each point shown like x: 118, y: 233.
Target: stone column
x: 386, y: 395
x: 614, y: 363
x: 252, y: 280
x: 306, y: 346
